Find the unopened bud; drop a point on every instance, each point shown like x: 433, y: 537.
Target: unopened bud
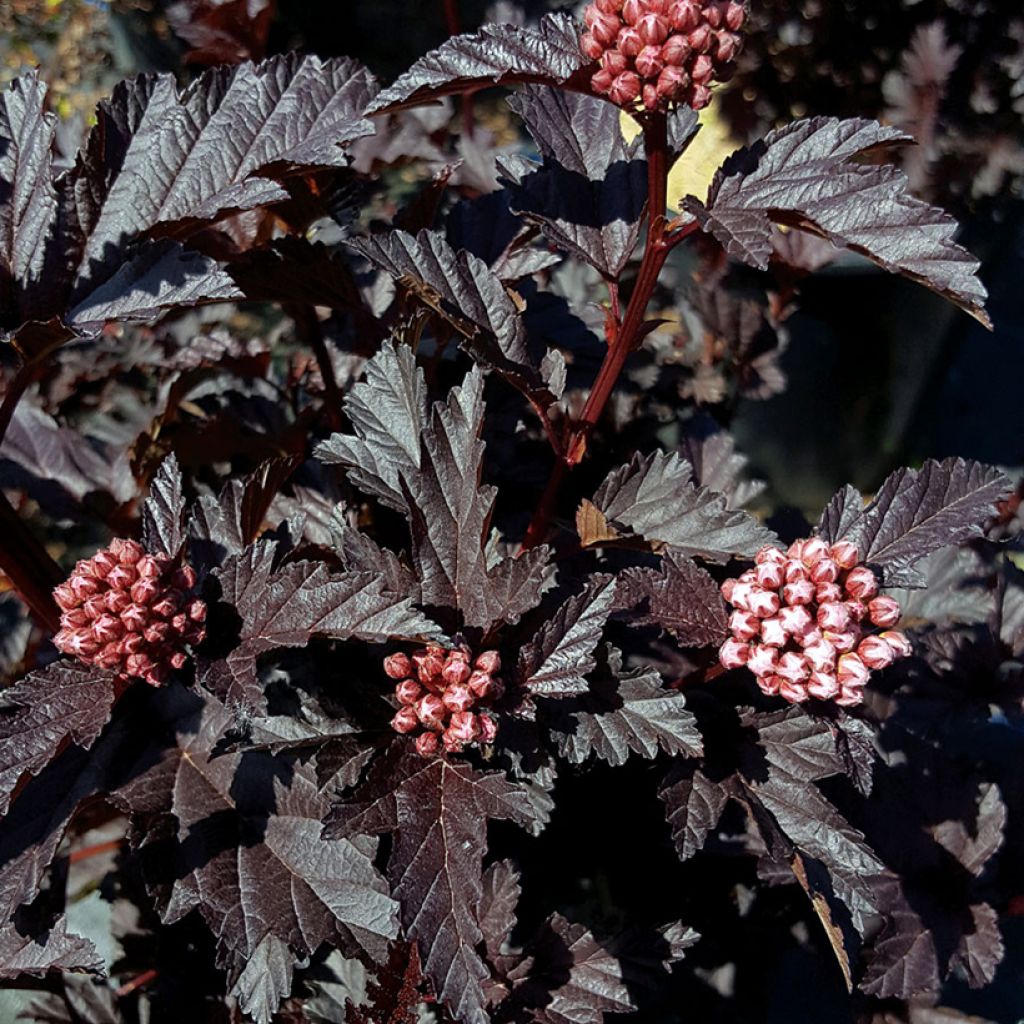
x: 796, y: 619
x: 850, y: 669
x: 773, y: 633
x: 489, y: 662
x: 675, y: 51
x: 884, y: 611
x: 591, y: 47
x: 405, y: 721
x: 876, y: 653
x: 828, y: 593
x: 625, y: 89
x: 764, y: 603
x: 899, y: 643
x: 861, y: 583
x: 458, y: 698
x: 649, y: 62
x: 733, y: 654
x: 823, y: 685
x: 845, y: 554
x: 744, y: 625
x: 431, y: 711
x: 427, y: 744
x: 793, y: 667
x: 684, y: 15
x: 833, y: 617
x: 408, y: 691
x: 762, y: 659
x: 735, y: 15
x: 771, y: 575
x: 488, y: 728
x: 456, y: 672
x: 798, y: 592
x: 824, y: 571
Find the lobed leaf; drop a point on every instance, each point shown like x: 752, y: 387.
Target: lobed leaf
x: 54, y: 950
x: 437, y: 812
x: 496, y: 55
x: 809, y: 175
x: 654, y: 497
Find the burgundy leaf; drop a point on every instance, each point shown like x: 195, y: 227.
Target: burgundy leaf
x: 39, y: 716
x: 806, y: 175
x: 840, y: 515
x: 556, y: 663
x: 241, y: 833
x: 590, y: 194
x: 916, y: 512
x: 681, y: 598
x: 981, y: 949
x: 693, y: 807
x: 625, y: 712
x: 719, y: 467
x: 288, y: 606
x: 437, y: 812
x: 54, y: 950
x: 496, y: 55
x: 163, y: 512
x: 655, y: 497
x: 388, y: 410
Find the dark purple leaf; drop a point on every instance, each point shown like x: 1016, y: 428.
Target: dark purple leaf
x: 624, y: 712
x: 571, y: 977
x: 654, y: 496
x: 288, y: 606
x: 902, y: 963
x: 437, y: 812
x: 28, y: 201
x: 718, y: 466
x: 556, y: 663
x: 54, y: 950
x: 693, y: 807
x: 41, y: 714
x: 496, y: 55
x: 807, y: 176
x: 916, y: 512
x: 590, y: 194
x: 497, y: 915
x: 388, y: 410
x: 461, y: 288
x: 681, y: 598
x: 981, y: 949
x: 240, y: 835
x: 163, y: 512
x: 840, y: 515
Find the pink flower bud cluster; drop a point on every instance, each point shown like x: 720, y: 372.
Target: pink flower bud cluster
x: 654, y: 53
x: 438, y: 691
x: 805, y: 620
x: 130, y: 612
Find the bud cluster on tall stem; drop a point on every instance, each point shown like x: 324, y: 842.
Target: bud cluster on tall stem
x: 626, y: 336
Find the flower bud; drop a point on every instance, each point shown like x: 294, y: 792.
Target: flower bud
x: 149, y: 567
x: 761, y: 659
x: 798, y: 592
x: 456, y: 672
x: 794, y: 692
x: 398, y: 666
x: 630, y: 42
x: 740, y: 596
x: 427, y: 744
x: 773, y: 633
x: 178, y: 660
x: 464, y: 726
x: 633, y: 11
x: 610, y: 6
x: 823, y: 685
x: 676, y: 51
x: 733, y: 654
x: 431, y: 712
x: 115, y: 601
x: 824, y: 571
x: 486, y: 687
x: 591, y: 47
x: 833, y: 617
x: 684, y: 16
x: 625, y: 89
x: 843, y: 641
x: 858, y: 610
x: 405, y: 721
x: 84, y: 587
x: 601, y: 81
x: 714, y: 15
x: 653, y: 29
x: 649, y: 62
x: 651, y: 97
x: 821, y: 656
x: 458, y: 698
x: 770, y: 685
x: 771, y: 575
x: 899, y: 643
x: 162, y: 609
x: 884, y: 611
x: 850, y: 696
x: 795, y: 619
x: 134, y: 618
x: 488, y: 728
x: 127, y: 552
x: 809, y: 637
x: 845, y: 554
x: 861, y: 583
x: 828, y: 593
x: 614, y: 62
x: 452, y: 744
x: 489, y: 662
x: 795, y: 571
x: 850, y: 669
x: 793, y: 667
x: 157, y: 633
x: 727, y: 46
x: 744, y: 625
x: 700, y: 97
x: 429, y: 667
x: 605, y: 28
x: 768, y: 555
x: 703, y: 71
x: 700, y: 39
x: 764, y: 603
x: 876, y: 653
x: 408, y: 691
x: 735, y: 15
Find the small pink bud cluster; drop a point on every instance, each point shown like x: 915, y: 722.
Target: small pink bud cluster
x: 130, y: 612
x: 438, y: 690
x: 803, y: 623
x: 657, y: 52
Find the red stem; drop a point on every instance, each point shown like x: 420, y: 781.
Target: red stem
x: 77, y: 856
x: 625, y: 337
x: 136, y: 983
